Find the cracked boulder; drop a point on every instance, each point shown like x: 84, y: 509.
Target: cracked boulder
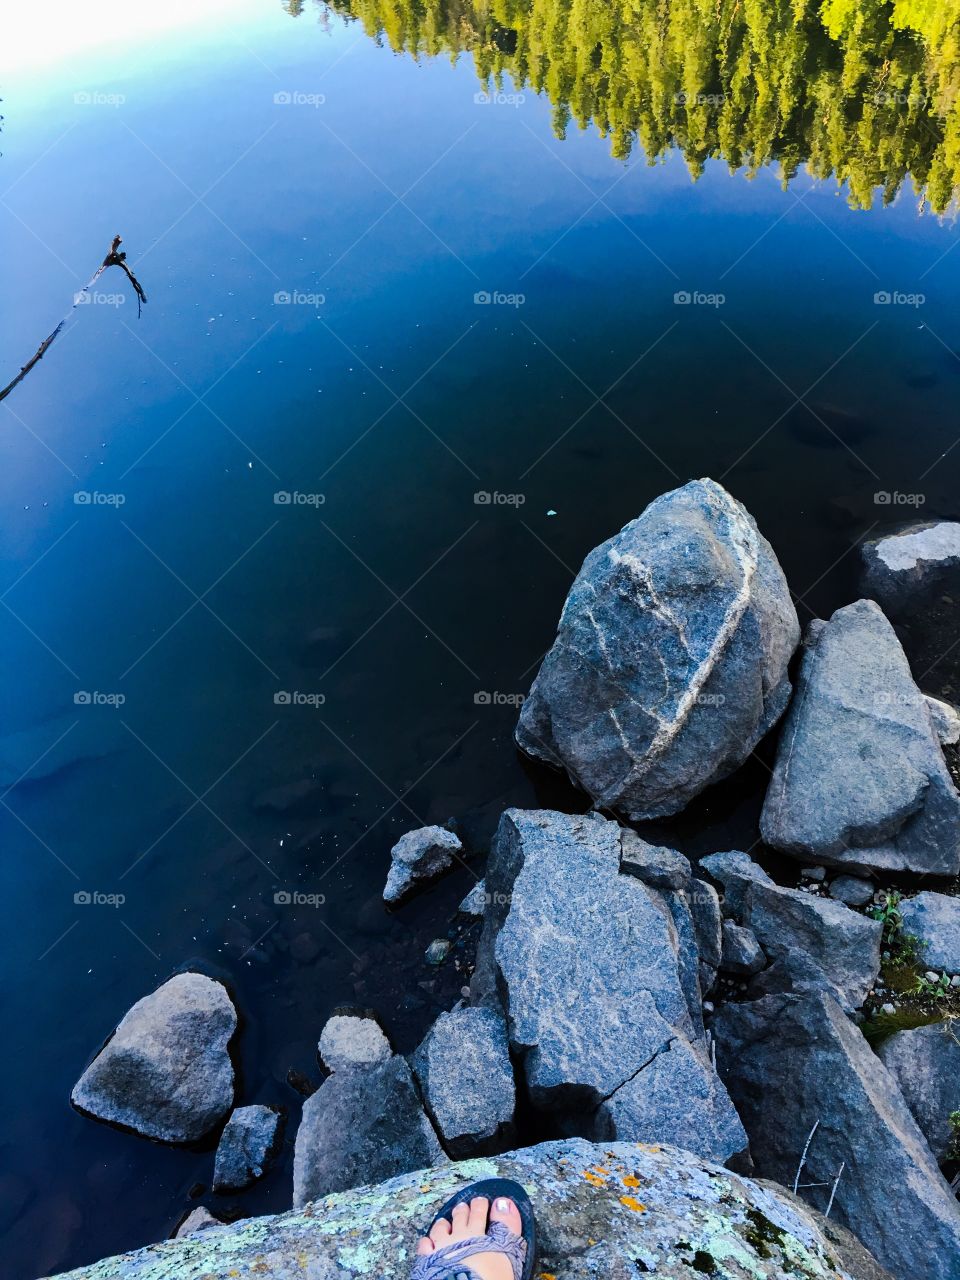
x: 670, y: 662
x: 860, y: 781
x: 914, y: 575
x: 165, y: 1073
x: 792, y: 1062
x: 466, y: 1078
x: 363, y: 1123
x: 598, y: 976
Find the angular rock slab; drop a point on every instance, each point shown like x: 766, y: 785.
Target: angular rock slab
x: 914, y: 575
x: 417, y: 857
x: 643, y: 1210
x: 934, y: 920
x: 166, y: 1073
x: 860, y: 781
x: 841, y: 943
x: 925, y: 1062
x: 598, y: 973
x: 735, y: 872
x: 466, y: 1078
x: 670, y: 662
x: 247, y: 1144
x: 790, y: 1061
x: 363, y: 1122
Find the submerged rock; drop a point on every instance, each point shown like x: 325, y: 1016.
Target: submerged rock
x: 166, y: 1072
x: 464, y: 1072
x: 670, y: 661
x: 363, y: 1122
x: 611, y: 1211
x: 792, y: 1062
x: 860, y: 781
x: 417, y: 857
x: 246, y: 1147
x: 934, y: 920
x: 925, y: 1062
x: 475, y: 903
x: 598, y: 973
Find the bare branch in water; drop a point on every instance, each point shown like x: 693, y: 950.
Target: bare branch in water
x: 113, y: 259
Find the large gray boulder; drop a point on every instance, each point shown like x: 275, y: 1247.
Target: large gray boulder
x: 670, y: 662
x: 466, y: 1078
x: 934, y: 920
x: 925, y: 1062
x: 247, y: 1145
x: 362, y: 1123
x: 860, y: 781
x: 613, y: 1211
x: 791, y: 1062
x: 418, y: 857
x: 598, y: 975
x: 165, y: 1072
x: 914, y: 575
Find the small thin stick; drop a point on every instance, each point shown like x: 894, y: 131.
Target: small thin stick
x: 836, y: 1181
x: 803, y: 1158
x: 113, y: 259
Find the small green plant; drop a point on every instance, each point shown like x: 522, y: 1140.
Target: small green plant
x: 932, y: 990
x: 903, y: 948
x: 953, y: 1150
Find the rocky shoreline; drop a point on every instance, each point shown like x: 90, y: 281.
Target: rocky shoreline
x: 788, y: 1016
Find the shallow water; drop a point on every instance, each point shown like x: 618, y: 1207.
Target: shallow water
x: 400, y: 615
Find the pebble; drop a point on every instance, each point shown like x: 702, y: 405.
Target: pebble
x: 888, y: 1008
x: 438, y: 951
x: 955, y: 980
x: 708, y: 1006
x: 814, y: 873
x: 931, y: 976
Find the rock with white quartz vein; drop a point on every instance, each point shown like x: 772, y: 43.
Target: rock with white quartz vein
x: 670, y: 661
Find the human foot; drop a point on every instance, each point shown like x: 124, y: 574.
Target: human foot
x: 472, y: 1220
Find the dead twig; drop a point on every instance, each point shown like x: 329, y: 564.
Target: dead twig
x: 113, y: 259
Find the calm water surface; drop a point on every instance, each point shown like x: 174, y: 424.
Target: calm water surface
x: 314, y: 209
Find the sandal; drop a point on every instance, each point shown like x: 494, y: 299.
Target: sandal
x: 451, y: 1261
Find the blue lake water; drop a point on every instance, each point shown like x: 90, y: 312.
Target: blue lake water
x: 314, y: 217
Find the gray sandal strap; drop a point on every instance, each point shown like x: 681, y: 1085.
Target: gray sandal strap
x: 446, y: 1263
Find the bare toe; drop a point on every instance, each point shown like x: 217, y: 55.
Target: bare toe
x: 424, y: 1246
x: 505, y: 1211
x: 478, y: 1215
x: 460, y: 1218
x: 440, y: 1233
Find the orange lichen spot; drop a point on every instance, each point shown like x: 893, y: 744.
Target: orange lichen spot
x: 547, y: 1275
x: 633, y: 1204
x: 631, y: 1181
x: 600, y: 1169
x: 593, y: 1178
x: 424, y: 1186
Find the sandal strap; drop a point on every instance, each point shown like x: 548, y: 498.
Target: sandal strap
x: 444, y: 1264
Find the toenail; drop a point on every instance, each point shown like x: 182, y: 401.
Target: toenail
x: 502, y: 1205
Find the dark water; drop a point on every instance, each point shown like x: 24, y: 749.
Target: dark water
x: 385, y: 609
